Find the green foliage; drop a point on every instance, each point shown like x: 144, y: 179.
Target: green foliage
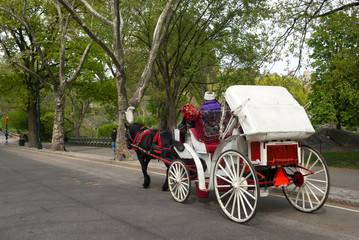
x: 209, y: 44
x: 335, y: 85
x: 86, y: 132
x: 106, y: 130
x: 17, y: 121
x: 12, y: 88
x: 149, y: 121
x: 47, y: 123
x: 290, y: 83
x: 342, y: 159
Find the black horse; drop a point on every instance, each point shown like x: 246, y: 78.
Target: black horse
x: 153, y: 142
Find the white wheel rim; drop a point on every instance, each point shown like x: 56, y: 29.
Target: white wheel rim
x: 314, y: 190
x: 179, y: 181
x: 236, y: 187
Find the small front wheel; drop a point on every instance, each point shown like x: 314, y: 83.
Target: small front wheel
x: 236, y: 186
x: 179, y: 181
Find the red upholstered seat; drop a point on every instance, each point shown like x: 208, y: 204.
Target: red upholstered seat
x: 210, y: 146
x: 206, y: 128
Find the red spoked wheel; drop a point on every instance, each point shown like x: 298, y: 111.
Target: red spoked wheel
x: 309, y: 188
x: 236, y: 186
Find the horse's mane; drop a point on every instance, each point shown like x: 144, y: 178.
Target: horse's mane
x: 134, y: 128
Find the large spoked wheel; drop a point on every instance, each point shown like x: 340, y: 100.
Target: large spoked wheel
x: 236, y: 186
x: 309, y: 190
x: 179, y: 181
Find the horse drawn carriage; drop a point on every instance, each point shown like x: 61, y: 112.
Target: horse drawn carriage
x: 250, y: 146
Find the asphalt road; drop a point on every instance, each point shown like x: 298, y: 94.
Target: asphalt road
x: 49, y: 196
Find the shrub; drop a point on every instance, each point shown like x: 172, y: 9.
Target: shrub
x: 17, y: 121
x: 106, y: 130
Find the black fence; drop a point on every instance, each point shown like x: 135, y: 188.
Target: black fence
x: 97, y: 142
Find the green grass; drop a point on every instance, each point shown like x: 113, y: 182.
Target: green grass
x: 342, y: 159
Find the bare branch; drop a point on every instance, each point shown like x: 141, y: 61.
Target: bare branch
x: 110, y: 53
x: 347, y: 6
x: 33, y: 35
x: 15, y: 63
x: 96, y: 14
x: 81, y: 63
x: 159, y: 33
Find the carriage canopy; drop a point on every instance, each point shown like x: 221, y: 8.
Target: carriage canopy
x: 268, y: 113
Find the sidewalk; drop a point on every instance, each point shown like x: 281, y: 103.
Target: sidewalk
x: 344, y: 187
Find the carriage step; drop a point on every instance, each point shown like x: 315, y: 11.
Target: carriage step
x: 263, y: 193
x: 202, y: 193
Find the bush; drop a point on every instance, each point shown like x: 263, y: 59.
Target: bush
x: 151, y: 122
x: 47, y: 124
x: 86, y: 132
x: 17, y: 121
x: 106, y: 130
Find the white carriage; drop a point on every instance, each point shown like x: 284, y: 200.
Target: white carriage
x: 255, y: 146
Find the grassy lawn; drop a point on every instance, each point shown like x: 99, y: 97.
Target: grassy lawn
x: 342, y: 159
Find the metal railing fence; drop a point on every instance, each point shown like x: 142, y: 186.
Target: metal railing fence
x: 98, y: 142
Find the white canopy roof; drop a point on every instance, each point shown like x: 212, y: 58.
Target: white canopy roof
x: 268, y: 113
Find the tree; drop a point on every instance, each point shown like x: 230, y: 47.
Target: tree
x: 12, y: 95
x: 17, y: 44
x: 61, y: 66
x: 335, y: 84
x: 290, y: 83
x: 293, y: 21
x: 90, y: 87
x: 202, y: 38
x: 115, y: 49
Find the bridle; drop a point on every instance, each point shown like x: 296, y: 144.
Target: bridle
x: 129, y: 139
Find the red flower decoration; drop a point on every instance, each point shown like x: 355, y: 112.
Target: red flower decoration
x: 190, y: 112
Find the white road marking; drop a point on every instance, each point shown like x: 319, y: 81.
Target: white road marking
x: 327, y: 205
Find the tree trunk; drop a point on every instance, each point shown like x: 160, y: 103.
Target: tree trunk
x: 162, y: 117
x: 121, y: 153
x: 77, y: 129
x: 32, y: 123
x: 58, y: 134
x: 339, y: 120
x: 172, y: 115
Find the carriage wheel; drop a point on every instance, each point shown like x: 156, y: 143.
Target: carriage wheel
x: 179, y: 181
x: 236, y: 186
x: 308, y: 193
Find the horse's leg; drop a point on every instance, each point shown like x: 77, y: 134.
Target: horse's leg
x: 147, y: 181
x: 165, y: 184
x: 144, y: 163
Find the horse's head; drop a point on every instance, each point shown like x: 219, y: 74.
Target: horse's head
x: 131, y: 132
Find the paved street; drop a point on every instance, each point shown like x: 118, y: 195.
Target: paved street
x: 344, y: 190
x: 45, y: 195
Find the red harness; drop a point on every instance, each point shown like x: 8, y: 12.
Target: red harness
x: 140, y: 135
x: 158, y: 140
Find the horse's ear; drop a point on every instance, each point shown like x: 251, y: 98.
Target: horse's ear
x: 126, y: 126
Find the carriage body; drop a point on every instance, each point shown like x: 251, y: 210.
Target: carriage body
x: 241, y: 152
x: 271, y: 121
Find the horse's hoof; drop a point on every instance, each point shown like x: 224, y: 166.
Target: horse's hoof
x: 164, y: 188
x: 145, y: 185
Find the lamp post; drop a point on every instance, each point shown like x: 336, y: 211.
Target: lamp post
x: 39, y: 144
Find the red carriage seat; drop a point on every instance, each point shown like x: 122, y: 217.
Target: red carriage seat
x: 207, y: 128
